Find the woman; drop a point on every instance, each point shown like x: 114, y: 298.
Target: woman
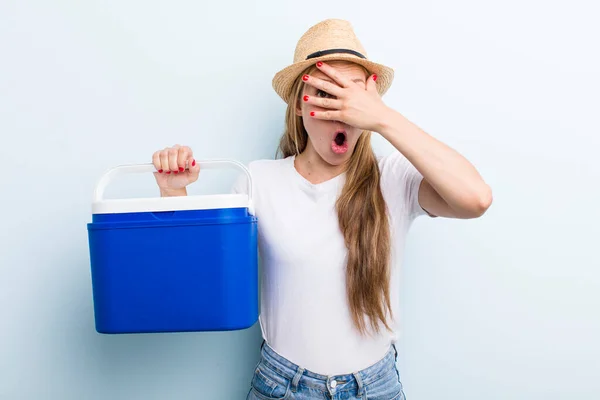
x: 333, y: 220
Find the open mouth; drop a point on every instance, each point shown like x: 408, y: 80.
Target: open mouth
x: 339, y: 145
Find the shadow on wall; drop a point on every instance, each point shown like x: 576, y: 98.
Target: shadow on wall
x: 164, y: 365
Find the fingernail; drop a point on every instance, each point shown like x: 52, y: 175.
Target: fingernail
x: 305, y: 98
x: 305, y: 78
x: 168, y: 172
x: 160, y: 171
x: 312, y: 113
x: 175, y: 172
x: 194, y: 163
x: 319, y: 64
x: 374, y: 77
x: 181, y: 169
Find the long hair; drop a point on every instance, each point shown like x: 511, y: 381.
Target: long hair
x: 363, y: 220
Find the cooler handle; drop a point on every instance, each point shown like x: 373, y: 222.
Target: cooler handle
x: 149, y: 167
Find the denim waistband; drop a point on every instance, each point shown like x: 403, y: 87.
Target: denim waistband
x: 355, y: 380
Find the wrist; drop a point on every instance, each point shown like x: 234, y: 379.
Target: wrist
x: 390, y: 123
x: 173, y: 192
x: 385, y: 122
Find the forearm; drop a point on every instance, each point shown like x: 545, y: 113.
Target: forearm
x: 452, y: 176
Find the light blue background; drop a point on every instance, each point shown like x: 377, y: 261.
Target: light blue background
x: 505, y: 307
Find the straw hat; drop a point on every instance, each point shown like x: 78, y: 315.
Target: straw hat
x: 329, y: 40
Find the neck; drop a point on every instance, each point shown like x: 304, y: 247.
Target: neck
x: 312, y: 167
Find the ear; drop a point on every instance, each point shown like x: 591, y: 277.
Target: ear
x: 371, y: 84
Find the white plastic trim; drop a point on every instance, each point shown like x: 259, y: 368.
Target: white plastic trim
x: 101, y: 205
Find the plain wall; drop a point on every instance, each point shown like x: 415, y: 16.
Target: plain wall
x: 503, y: 307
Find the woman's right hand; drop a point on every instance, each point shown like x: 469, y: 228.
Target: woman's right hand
x: 175, y: 169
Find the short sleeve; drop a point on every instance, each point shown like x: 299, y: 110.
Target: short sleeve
x: 400, y: 182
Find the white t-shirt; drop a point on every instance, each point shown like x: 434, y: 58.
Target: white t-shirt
x: 304, y: 312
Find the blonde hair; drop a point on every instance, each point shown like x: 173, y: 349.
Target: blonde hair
x: 363, y: 220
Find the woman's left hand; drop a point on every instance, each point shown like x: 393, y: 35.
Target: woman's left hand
x: 357, y: 104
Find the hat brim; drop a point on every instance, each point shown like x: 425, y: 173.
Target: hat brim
x: 284, y: 79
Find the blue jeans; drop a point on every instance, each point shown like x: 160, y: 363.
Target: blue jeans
x: 276, y: 378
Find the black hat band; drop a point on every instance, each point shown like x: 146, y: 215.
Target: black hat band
x: 334, y: 51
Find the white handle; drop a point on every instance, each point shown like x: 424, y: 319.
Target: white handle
x: 113, y: 173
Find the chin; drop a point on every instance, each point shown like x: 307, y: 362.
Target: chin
x: 336, y: 159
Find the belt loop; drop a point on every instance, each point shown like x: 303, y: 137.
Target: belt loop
x: 297, y: 379
x: 359, y: 382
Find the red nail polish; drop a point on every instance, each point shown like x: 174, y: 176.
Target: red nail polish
x: 175, y: 172
x: 305, y: 98
x: 168, y: 172
x: 305, y: 78
x: 312, y: 113
x: 181, y: 169
x: 160, y: 171
x: 374, y: 77
x: 194, y: 163
x: 319, y: 64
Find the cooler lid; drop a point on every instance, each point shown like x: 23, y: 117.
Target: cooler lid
x: 155, y: 204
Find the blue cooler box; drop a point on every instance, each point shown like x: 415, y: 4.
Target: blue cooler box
x: 174, y: 264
